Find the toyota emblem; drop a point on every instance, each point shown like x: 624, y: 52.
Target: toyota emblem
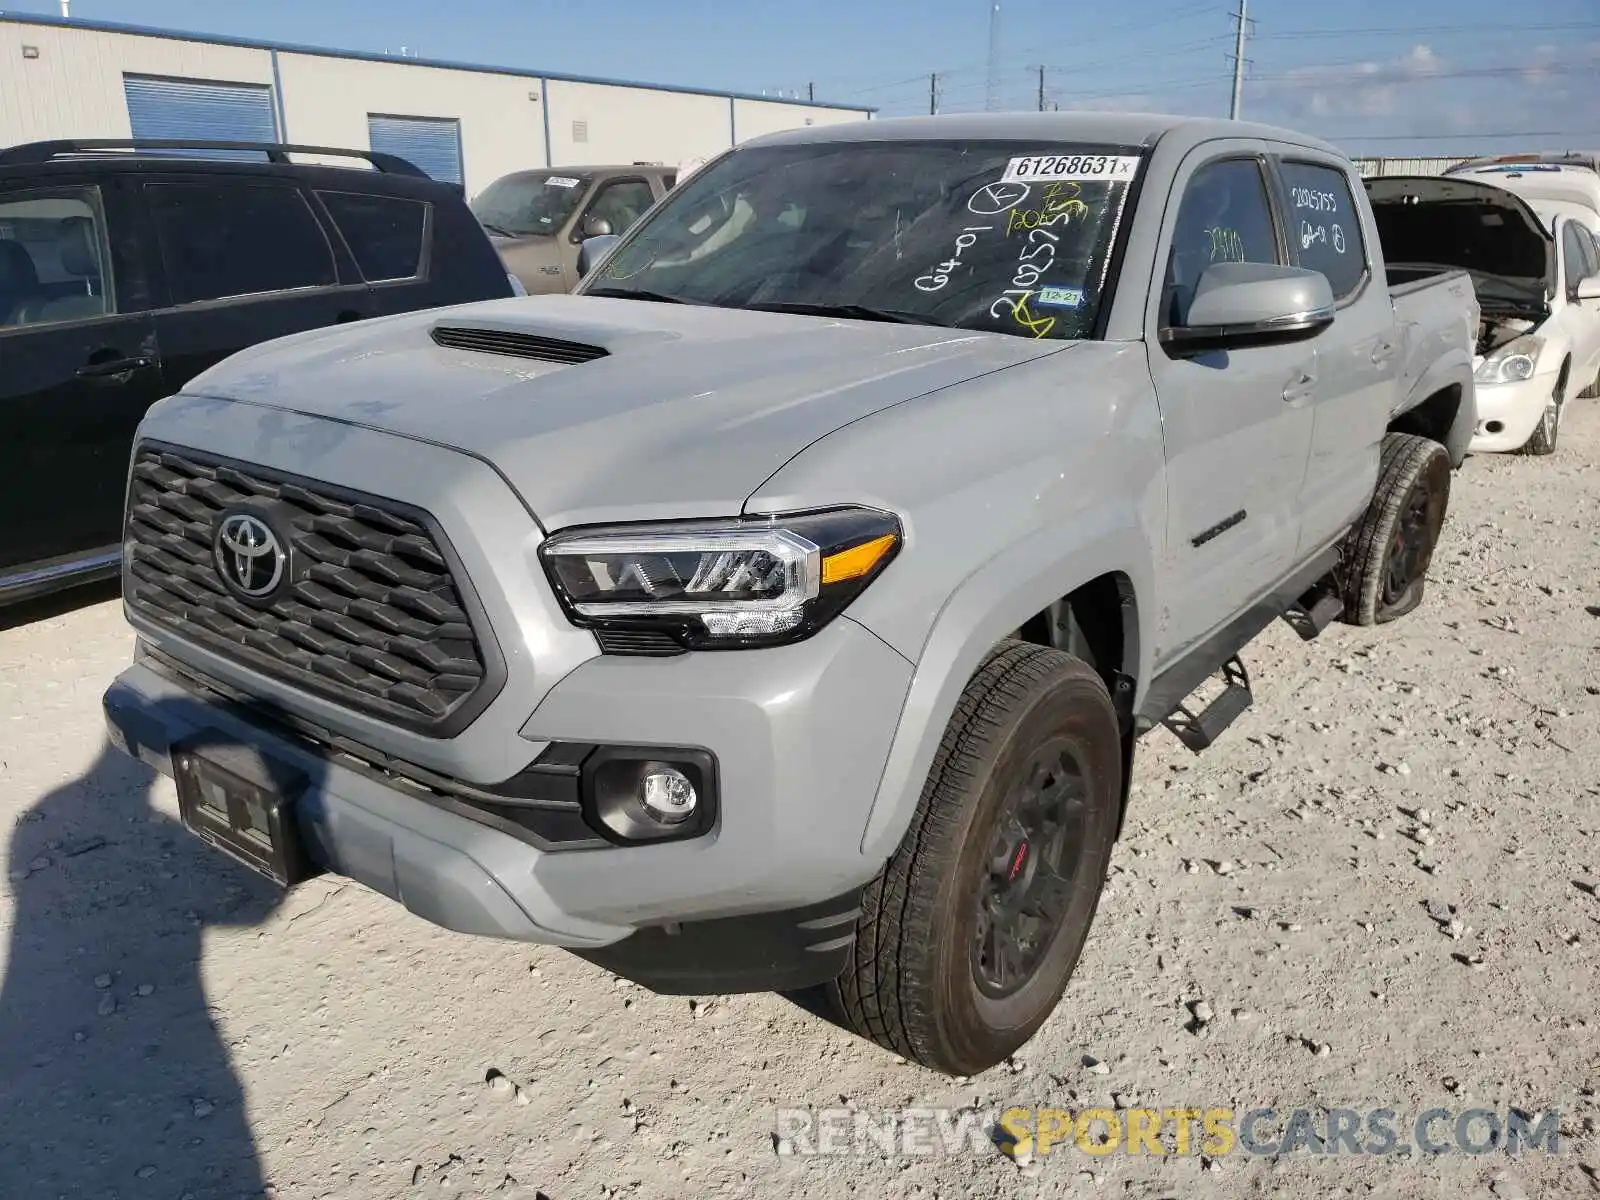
x: 250, y: 558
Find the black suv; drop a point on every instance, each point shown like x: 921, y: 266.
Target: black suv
x: 128, y: 267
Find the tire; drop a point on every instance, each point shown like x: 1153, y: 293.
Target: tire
x: 1387, y: 555
x: 1543, y: 438
x: 925, y: 980
x: 1593, y: 390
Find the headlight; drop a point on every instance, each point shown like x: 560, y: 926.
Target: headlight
x: 709, y: 585
x: 1511, y: 363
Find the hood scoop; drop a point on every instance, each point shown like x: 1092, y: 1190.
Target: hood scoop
x: 515, y: 345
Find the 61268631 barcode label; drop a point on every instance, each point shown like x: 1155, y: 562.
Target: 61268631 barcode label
x: 1071, y: 168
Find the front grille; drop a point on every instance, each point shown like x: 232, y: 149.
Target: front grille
x: 516, y: 345
x: 370, y: 617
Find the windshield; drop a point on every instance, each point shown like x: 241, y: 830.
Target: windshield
x: 520, y: 205
x: 1002, y: 237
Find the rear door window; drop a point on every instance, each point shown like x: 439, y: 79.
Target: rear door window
x: 387, y: 235
x: 225, y: 238
x: 1324, y: 227
x: 53, y: 262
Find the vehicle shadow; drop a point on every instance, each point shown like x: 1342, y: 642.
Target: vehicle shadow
x: 58, y: 604
x: 114, y: 1079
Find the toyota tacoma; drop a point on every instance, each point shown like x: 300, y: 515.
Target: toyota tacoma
x: 783, y: 607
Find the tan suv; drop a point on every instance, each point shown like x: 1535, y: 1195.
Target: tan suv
x: 537, y: 220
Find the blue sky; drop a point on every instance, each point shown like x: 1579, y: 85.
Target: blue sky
x: 1440, y: 76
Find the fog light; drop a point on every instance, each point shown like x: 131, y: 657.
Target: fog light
x: 633, y: 794
x: 667, y: 794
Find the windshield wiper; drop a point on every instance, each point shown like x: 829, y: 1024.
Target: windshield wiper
x: 852, y: 312
x: 495, y: 229
x: 636, y: 294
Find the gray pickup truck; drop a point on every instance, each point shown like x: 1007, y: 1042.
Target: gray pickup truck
x: 783, y: 608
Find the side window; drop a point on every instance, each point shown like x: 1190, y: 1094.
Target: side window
x: 53, y: 262
x: 1225, y: 216
x: 1324, y: 225
x: 385, y: 233
x: 1594, y: 251
x: 669, y: 181
x: 1575, y: 256
x: 231, y: 238
x: 622, y: 202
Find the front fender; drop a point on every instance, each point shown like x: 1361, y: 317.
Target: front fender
x: 991, y: 603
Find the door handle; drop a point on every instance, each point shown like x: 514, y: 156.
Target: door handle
x: 1300, y: 386
x: 113, y: 366
x: 1382, y: 353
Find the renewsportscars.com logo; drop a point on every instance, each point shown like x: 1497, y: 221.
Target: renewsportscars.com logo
x: 1025, y: 1132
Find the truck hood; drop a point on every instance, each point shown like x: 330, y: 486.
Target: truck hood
x: 600, y: 409
x: 1493, y: 234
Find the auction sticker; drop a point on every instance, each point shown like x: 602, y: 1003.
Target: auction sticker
x: 1059, y: 297
x: 561, y: 181
x: 1071, y: 168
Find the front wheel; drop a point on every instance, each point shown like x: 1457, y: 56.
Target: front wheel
x: 969, y: 934
x: 1543, y: 438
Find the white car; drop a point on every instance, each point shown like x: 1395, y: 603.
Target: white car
x: 1532, y: 250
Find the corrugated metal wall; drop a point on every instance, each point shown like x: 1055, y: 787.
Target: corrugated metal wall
x: 188, y: 108
x: 428, y: 142
x: 67, y: 79
x: 1432, y: 165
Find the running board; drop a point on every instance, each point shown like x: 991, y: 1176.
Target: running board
x: 1314, y: 612
x: 1198, y: 732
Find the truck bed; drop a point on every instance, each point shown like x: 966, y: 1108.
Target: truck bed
x: 1434, y: 307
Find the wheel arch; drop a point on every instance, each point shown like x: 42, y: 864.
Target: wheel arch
x: 1101, y: 569
x: 1448, y: 409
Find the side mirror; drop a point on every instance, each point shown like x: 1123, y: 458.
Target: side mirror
x: 1241, y: 305
x: 594, y: 227
x: 593, y: 250
x: 1589, y: 288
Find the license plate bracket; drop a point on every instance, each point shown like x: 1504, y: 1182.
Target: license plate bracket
x: 241, y: 802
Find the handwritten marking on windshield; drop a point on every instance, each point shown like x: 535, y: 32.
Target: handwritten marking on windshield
x: 1060, y: 205
x: 934, y: 280
x: 1017, y: 302
x: 992, y: 199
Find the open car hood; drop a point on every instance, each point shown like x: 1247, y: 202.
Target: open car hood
x: 1470, y: 225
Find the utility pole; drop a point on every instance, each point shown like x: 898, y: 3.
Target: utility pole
x: 1242, y: 17
x: 1041, y: 87
x: 933, y: 94
x: 811, y: 92
x: 991, y: 99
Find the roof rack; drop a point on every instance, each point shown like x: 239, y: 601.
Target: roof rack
x: 277, y: 152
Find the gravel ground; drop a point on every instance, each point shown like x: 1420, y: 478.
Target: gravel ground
x: 170, y: 1027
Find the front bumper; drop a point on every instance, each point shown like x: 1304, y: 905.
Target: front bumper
x: 765, y: 899
x: 1508, y: 413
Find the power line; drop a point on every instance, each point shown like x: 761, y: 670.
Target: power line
x: 1410, y: 30
x: 1567, y: 134
x: 1305, y: 77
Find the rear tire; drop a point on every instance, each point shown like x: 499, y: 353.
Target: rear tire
x: 1387, y: 555
x: 1543, y: 438
x: 1593, y: 390
x: 969, y: 934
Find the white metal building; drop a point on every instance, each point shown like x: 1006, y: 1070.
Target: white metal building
x: 467, y: 124
x: 1431, y: 165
